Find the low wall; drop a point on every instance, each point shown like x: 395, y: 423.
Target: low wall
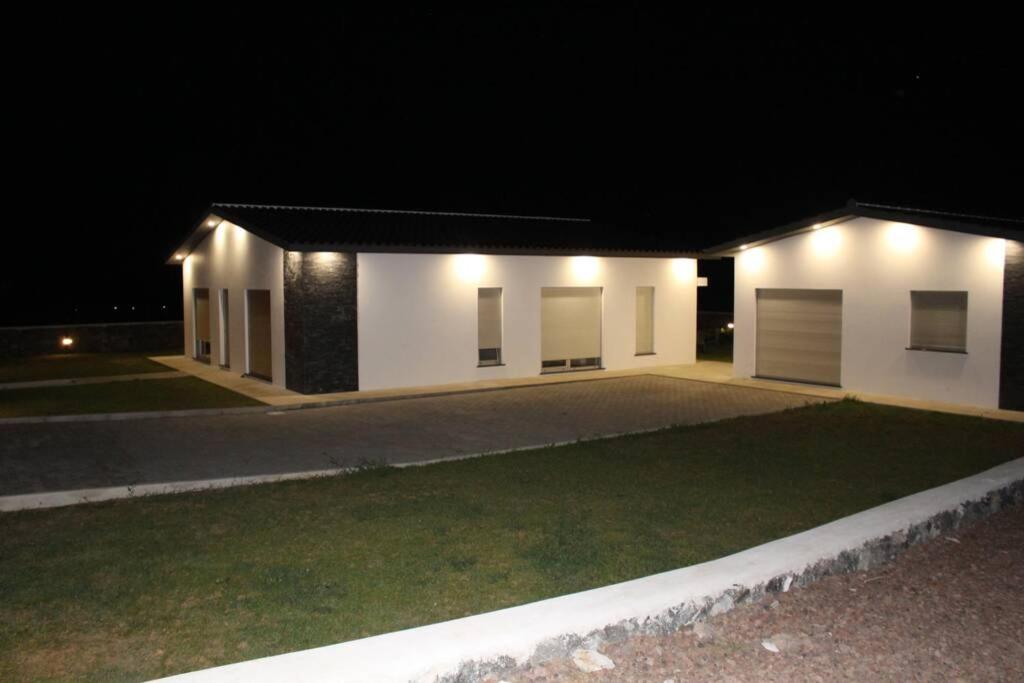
x: 94, y: 338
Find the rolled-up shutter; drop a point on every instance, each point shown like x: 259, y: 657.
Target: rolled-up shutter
x: 570, y: 323
x: 799, y: 334
x: 202, y: 313
x: 489, y: 317
x: 938, y: 321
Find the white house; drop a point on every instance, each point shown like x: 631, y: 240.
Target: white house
x: 885, y: 300
x: 320, y: 300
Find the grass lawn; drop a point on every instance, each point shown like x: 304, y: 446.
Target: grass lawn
x: 117, y: 397
x: 720, y: 352
x: 148, y: 587
x: 72, y: 365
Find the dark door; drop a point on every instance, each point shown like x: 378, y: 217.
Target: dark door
x: 259, y: 334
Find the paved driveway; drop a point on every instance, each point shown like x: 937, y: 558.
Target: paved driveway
x: 68, y: 456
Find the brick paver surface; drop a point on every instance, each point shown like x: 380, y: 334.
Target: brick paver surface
x: 59, y: 457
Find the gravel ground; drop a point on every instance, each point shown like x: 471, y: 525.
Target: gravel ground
x: 948, y: 610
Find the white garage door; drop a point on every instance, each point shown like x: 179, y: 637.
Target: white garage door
x: 800, y: 334
x: 570, y: 321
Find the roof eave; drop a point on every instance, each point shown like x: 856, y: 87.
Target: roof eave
x: 821, y: 220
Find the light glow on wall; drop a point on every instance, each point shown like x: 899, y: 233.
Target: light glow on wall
x: 470, y: 267
x: 584, y: 267
x: 827, y: 241
x: 326, y: 257
x: 995, y: 252
x: 683, y: 268
x: 752, y: 260
x: 902, y: 237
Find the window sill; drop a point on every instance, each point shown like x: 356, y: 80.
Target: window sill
x: 649, y: 353
x: 560, y: 371
x: 490, y: 365
x: 931, y: 350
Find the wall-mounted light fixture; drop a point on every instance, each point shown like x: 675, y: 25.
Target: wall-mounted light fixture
x: 469, y: 267
x: 826, y: 242
x: 743, y: 247
x: 67, y: 342
x: 684, y: 269
x: 179, y: 257
x: 902, y: 237
x: 731, y: 326
x: 584, y: 267
x: 995, y: 251
x: 211, y: 223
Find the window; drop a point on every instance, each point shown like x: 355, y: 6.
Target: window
x: 938, y: 321
x: 570, y: 322
x: 644, y: 321
x: 488, y: 311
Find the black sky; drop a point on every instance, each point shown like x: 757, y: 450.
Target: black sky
x: 684, y: 124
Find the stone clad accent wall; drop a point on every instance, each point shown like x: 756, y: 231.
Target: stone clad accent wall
x: 321, y: 340
x: 1011, y: 366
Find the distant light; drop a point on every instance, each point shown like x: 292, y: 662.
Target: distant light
x: 743, y: 246
x: 730, y: 326
x: 115, y: 308
x: 163, y: 307
x: 179, y: 257
x: 67, y: 342
x: 133, y: 308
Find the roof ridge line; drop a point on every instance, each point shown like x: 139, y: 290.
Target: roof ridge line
x: 400, y: 211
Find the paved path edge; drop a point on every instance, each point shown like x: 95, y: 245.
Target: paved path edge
x: 494, y: 642
x: 51, y: 499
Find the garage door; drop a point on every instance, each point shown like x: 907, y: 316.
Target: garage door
x: 799, y: 334
x: 570, y: 328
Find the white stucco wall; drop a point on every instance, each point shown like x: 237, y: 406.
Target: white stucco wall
x: 418, y: 313
x: 876, y: 264
x: 233, y: 258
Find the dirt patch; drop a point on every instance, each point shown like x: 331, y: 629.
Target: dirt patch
x: 949, y: 609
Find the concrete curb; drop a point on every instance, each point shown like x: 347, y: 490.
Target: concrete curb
x: 494, y: 642
x: 53, y: 499
x: 101, y: 379
x: 140, y: 415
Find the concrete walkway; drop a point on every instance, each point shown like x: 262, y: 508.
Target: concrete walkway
x: 37, y: 458
x: 702, y: 371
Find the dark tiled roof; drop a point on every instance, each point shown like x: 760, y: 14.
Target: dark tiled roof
x: 1008, y: 228
x: 368, y: 230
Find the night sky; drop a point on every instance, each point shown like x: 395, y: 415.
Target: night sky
x: 689, y: 125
